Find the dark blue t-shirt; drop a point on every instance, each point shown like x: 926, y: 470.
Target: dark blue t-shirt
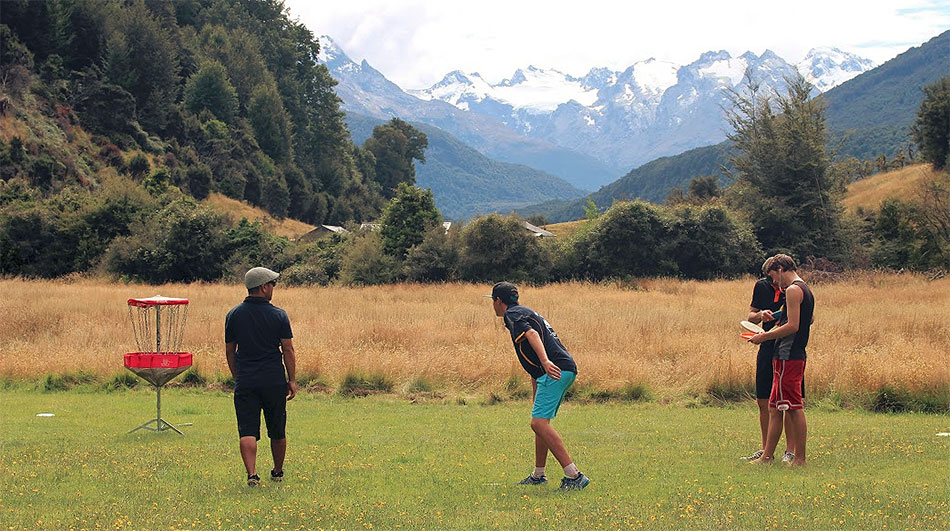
x: 518, y: 320
x: 257, y: 326
x: 767, y: 296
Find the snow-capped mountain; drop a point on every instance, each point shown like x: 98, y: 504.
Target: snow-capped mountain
x: 651, y: 109
x: 621, y: 118
x: 364, y: 90
x: 826, y: 68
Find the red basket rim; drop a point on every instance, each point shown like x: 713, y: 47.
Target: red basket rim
x: 157, y: 353
x: 157, y: 300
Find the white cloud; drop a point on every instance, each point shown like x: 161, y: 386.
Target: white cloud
x: 415, y: 42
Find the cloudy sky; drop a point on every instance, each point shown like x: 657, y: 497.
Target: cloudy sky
x: 416, y: 42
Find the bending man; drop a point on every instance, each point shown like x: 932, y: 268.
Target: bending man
x: 552, y: 372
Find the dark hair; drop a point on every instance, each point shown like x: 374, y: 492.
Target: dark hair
x: 782, y: 260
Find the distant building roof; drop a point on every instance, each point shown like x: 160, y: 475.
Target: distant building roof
x: 322, y: 231
x: 538, y: 231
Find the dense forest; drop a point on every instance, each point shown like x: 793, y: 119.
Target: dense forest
x: 119, y: 118
x: 224, y: 96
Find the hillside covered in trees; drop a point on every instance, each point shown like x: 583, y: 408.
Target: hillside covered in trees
x: 119, y: 120
x: 212, y: 94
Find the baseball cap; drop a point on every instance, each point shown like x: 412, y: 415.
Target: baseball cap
x: 506, y: 291
x: 258, y: 276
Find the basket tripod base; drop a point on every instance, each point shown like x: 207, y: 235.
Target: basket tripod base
x: 159, y: 424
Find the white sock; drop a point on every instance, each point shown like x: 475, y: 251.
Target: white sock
x: 538, y: 472
x: 571, y: 471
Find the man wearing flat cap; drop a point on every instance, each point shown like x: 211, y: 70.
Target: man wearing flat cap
x: 552, y: 372
x: 260, y: 351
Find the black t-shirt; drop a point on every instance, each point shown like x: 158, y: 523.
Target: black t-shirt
x: 767, y: 296
x: 257, y: 326
x: 793, y: 347
x: 518, y: 320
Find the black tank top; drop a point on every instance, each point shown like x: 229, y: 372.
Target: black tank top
x: 793, y: 347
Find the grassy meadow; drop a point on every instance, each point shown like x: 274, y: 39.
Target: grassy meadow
x: 674, y: 338
x: 387, y: 463
x: 868, y: 193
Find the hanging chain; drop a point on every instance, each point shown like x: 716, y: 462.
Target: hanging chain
x: 173, y: 327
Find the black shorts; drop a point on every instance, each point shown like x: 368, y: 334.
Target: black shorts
x: 248, y: 404
x: 763, y: 375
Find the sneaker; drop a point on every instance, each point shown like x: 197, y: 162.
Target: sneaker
x: 788, y: 457
x: 531, y: 480
x: 253, y: 480
x: 578, y: 483
x: 276, y: 476
x: 757, y: 454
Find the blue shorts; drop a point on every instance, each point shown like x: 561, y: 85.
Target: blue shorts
x: 550, y: 394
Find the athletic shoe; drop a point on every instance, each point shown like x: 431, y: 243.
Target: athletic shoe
x: 578, y: 483
x: 276, y: 476
x: 253, y: 480
x: 788, y: 457
x: 757, y: 454
x: 531, y: 480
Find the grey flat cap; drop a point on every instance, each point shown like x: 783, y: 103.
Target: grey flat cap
x: 259, y: 276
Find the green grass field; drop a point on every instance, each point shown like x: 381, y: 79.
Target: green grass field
x: 386, y: 463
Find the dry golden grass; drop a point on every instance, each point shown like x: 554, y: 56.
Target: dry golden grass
x: 902, y: 184
x: 290, y: 228
x: 565, y: 229
x: 678, y: 337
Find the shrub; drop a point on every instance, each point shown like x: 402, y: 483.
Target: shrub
x: 66, y: 381
x: 123, y: 380
x: 495, y: 247
x: 630, y: 239
x: 312, y: 381
x: 435, y: 259
x: 184, y: 242
x: 360, y: 384
x: 707, y: 242
x: 635, y: 392
x: 304, y: 275
x: 730, y: 391
x: 138, y: 165
x: 198, y: 180
x: 406, y: 219
x: 193, y: 377
x: 209, y: 89
x: 421, y: 384
x: 365, y: 263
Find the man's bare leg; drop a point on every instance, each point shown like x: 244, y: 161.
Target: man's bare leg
x: 249, y: 454
x: 775, y: 433
x: 801, y: 434
x: 550, y: 438
x: 278, y: 448
x: 540, y: 451
x: 763, y: 404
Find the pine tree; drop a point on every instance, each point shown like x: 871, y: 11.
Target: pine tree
x: 931, y: 130
x: 783, y: 183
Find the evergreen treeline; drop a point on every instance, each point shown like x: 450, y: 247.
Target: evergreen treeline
x: 185, y: 98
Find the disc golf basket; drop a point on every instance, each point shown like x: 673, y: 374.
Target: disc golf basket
x: 158, y: 324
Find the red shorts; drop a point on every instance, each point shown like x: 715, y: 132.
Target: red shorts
x: 787, y: 384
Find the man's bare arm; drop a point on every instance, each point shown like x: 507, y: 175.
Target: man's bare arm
x: 290, y: 362
x: 230, y: 349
